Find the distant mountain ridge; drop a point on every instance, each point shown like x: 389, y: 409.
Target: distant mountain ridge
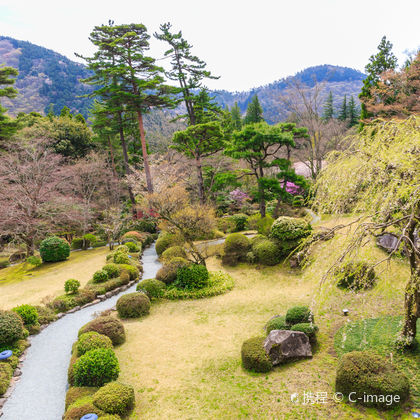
x: 46, y: 77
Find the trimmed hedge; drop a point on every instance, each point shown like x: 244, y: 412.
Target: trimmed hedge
x: 54, y: 249
x: 96, y: 368
x: 106, y: 325
x: 28, y: 313
x: 115, y: 398
x: 112, y: 269
x: 153, y: 288
x: 100, y: 276
x: 267, y: 252
x: 121, y: 258
x: 368, y: 374
x: 91, y: 341
x: 6, y: 372
x: 172, y: 252
x: 74, y: 393
x: 81, y: 407
x: 254, y: 357
x: 71, y: 286
x: 355, y: 276
x: 298, y: 315
x: 165, y: 241
x: 235, y: 248
x: 133, y: 305
x: 277, y: 323
x: 167, y: 273
x: 134, y: 272
x: 132, y: 247
x: 190, y: 277
x: 289, y: 231
x: 264, y: 225
x: 11, y: 327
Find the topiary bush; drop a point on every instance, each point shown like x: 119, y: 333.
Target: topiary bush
x: 132, y: 234
x: 134, y: 272
x: 35, y: 261
x: 288, y: 232
x: 235, y: 248
x: 132, y: 247
x: 256, y: 239
x: 96, y: 368
x: 6, y: 372
x: 112, y: 269
x: 153, y: 288
x: 122, y: 248
x: 106, y: 325
x: 81, y: 407
x: 89, y: 240
x: 298, y: 315
x: 100, y: 276
x: 11, y: 327
x: 277, y: 323
x: 91, y: 341
x: 71, y: 286
x: 264, y: 225
x: 54, y: 249
x: 133, y: 305
x: 115, y: 398
x: 308, y: 328
x: 75, y: 393
x: 193, y: 276
x: 167, y: 273
x: 120, y: 257
x: 267, y: 252
x: 167, y: 240
x: 254, y: 357
x: 363, y: 374
x: 172, y: 252
x: 355, y: 276
x: 28, y: 313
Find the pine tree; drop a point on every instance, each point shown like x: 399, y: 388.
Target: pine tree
x: 254, y: 112
x: 7, y: 79
x: 328, y: 108
x: 352, y: 113
x: 343, y: 113
x: 383, y: 60
x: 235, y: 112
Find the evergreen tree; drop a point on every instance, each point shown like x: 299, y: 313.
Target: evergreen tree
x: 328, y: 108
x: 7, y: 79
x: 236, y: 117
x: 352, y: 113
x: 383, y: 60
x: 65, y: 113
x: 254, y: 112
x: 343, y: 113
x: 187, y: 69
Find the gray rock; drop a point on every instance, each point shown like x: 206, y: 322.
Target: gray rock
x: 284, y: 345
x: 387, y: 241
x: 101, y: 297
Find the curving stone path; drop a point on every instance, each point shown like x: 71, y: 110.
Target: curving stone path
x: 39, y: 394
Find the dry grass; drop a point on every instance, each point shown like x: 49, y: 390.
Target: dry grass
x: 184, y: 358
x: 20, y: 284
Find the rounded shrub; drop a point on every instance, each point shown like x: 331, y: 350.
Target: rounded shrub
x: 153, y: 288
x: 289, y: 231
x: 100, y: 276
x: 308, y: 328
x: 256, y: 239
x: 132, y: 247
x: 75, y: 393
x: 122, y: 248
x: 362, y: 376
x: 28, y: 313
x: 106, y: 325
x: 132, y: 234
x: 77, y: 243
x: 235, y: 248
x: 134, y: 272
x: 96, y: 368
x: 115, y: 398
x: 121, y: 258
x: 254, y: 357
x: 165, y: 241
x: 133, y: 305
x: 35, y: 261
x: 240, y: 221
x: 89, y: 240
x: 264, y: 225
x: 112, y: 269
x: 355, y: 276
x: 71, y: 286
x: 276, y: 323
x: 172, y: 252
x: 253, y: 220
x: 298, y: 315
x: 267, y: 252
x: 81, y: 407
x: 54, y: 249
x: 91, y: 341
x: 11, y: 327
x: 193, y: 276
x: 167, y: 273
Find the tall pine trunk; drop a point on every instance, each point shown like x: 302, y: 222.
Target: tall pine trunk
x: 144, y: 151
x: 201, y: 195
x: 111, y: 151
x: 261, y: 192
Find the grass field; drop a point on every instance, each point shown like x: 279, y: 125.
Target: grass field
x: 22, y: 283
x: 184, y: 358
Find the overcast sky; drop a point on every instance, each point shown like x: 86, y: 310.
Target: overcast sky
x: 247, y: 43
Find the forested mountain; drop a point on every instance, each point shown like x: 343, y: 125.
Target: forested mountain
x: 46, y: 77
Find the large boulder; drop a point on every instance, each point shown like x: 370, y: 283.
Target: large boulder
x: 387, y: 241
x: 284, y: 345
